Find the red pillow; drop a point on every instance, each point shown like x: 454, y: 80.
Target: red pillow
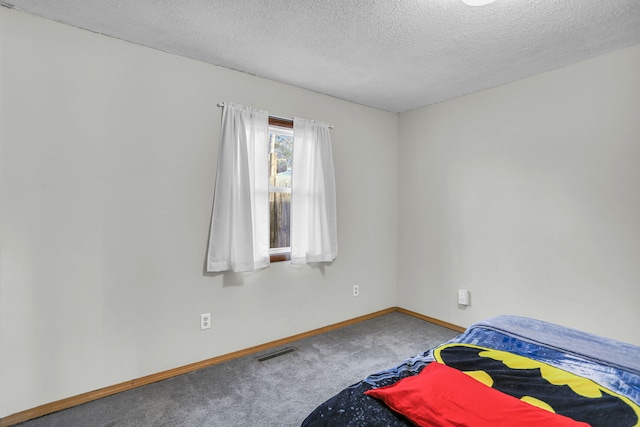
x: 441, y: 396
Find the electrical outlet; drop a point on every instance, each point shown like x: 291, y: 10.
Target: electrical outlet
x: 205, y: 321
x: 356, y: 290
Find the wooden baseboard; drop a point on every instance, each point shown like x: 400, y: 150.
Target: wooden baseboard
x: 432, y: 320
x: 69, y: 402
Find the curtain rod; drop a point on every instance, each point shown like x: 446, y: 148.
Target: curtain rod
x: 222, y: 104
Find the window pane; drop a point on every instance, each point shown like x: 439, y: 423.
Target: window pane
x: 280, y: 156
x: 280, y: 159
x: 280, y: 204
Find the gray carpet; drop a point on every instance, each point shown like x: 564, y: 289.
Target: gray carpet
x: 280, y: 391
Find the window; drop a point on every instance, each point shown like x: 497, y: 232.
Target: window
x: 280, y: 169
x: 300, y: 223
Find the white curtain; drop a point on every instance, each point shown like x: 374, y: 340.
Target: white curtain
x: 239, y: 234
x: 314, y: 236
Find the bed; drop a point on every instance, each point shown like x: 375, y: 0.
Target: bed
x: 503, y: 371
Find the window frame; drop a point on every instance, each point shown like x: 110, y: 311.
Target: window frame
x: 278, y: 254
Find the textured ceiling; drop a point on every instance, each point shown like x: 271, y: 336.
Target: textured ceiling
x: 395, y: 55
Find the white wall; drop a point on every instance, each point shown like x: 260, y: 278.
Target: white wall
x: 528, y: 195
x: 108, y: 158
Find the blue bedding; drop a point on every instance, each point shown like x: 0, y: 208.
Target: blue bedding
x: 608, y: 370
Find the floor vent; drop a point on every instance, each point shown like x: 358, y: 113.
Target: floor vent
x: 278, y: 353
